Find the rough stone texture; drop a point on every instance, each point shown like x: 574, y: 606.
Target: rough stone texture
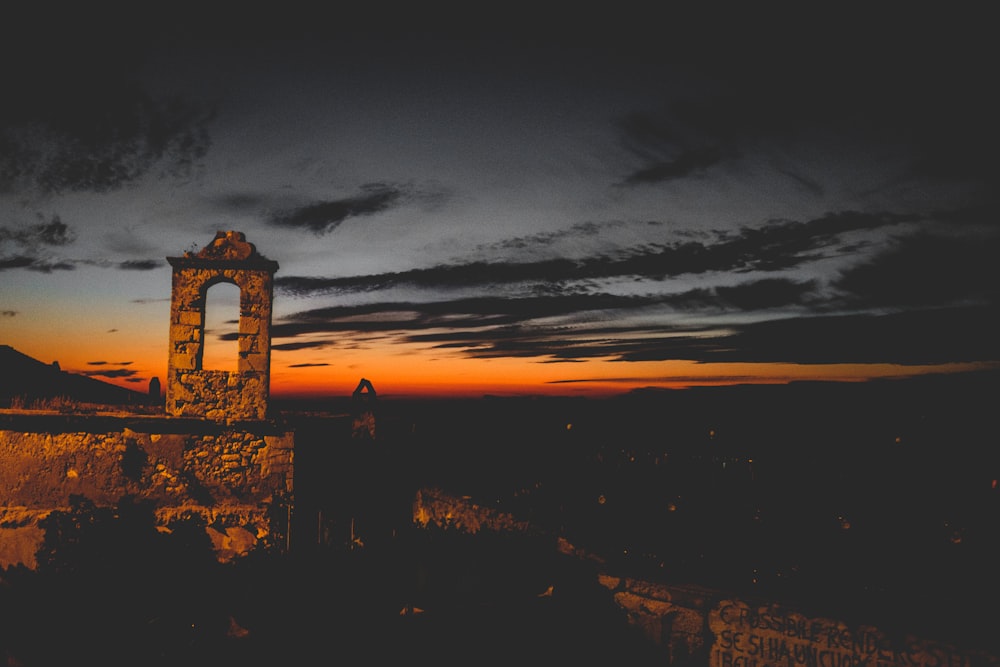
x: 220, y: 395
x: 448, y: 511
x: 230, y: 476
x: 751, y: 634
x: 20, y: 536
x: 231, y: 542
x: 669, y: 616
x: 227, y: 463
x: 699, y: 626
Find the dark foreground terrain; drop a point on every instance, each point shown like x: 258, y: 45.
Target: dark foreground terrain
x: 876, y: 504
x: 430, y: 597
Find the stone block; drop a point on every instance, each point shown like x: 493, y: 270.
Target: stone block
x: 191, y: 318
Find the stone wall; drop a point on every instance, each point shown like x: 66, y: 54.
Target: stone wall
x: 217, y: 395
x: 707, y: 627
x: 230, y: 475
x: 697, y: 626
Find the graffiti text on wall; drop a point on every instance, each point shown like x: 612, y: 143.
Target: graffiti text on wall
x: 768, y: 637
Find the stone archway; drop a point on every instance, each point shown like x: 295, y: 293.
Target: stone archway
x: 219, y: 395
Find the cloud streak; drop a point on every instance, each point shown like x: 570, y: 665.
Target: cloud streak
x: 52, y: 233
x: 33, y: 247
x: 323, y: 217
x: 139, y: 265
x: 914, y: 297
x: 778, y: 245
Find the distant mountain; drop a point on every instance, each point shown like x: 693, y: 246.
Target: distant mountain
x: 23, y: 377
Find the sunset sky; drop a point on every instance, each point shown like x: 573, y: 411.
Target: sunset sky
x: 501, y: 206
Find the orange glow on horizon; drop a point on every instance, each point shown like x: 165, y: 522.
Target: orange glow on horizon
x: 441, y: 378
x: 413, y: 372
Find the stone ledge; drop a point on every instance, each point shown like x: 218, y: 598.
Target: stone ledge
x: 44, y: 421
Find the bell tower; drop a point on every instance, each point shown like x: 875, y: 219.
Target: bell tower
x: 217, y: 394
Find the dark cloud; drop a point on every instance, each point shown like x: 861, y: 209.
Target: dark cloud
x: 140, y: 265
x: 116, y: 373
x: 30, y: 246
x: 454, y: 275
x: 555, y: 343
x: 38, y: 264
x: 778, y: 245
x: 323, y: 217
x: 74, y: 116
x: 925, y: 337
x: 686, y: 163
x: 754, y: 295
x: 48, y: 267
x: 579, y: 230
x: 479, y: 321
x: 805, y: 183
x: 52, y: 233
x: 919, y: 337
x: 16, y: 262
x: 932, y: 111
x: 902, y: 275
x: 306, y: 365
x: 673, y: 379
x: 926, y: 269
x: 666, y: 150
x: 103, y: 141
x: 8, y: 313
x: 487, y: 326
x: 301, y: 345
x: 475, y: 312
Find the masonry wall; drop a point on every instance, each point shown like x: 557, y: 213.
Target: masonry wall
x: 702, y: 627
x: 195, y: 391
x: 217, y: 395
x: 233, y: 476
x: 697, y: 626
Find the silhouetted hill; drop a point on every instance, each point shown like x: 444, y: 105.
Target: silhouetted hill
x: 28, y: 379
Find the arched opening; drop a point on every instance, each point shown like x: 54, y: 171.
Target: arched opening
x: 221, y: 344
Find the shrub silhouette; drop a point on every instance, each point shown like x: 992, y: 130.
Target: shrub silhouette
x: 113, y: 586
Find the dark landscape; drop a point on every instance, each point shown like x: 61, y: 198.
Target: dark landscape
x: 877, y: 499
x: 688, y: 365
x: 874, y: 502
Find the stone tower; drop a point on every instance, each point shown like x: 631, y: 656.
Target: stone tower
x: 216, y: 394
